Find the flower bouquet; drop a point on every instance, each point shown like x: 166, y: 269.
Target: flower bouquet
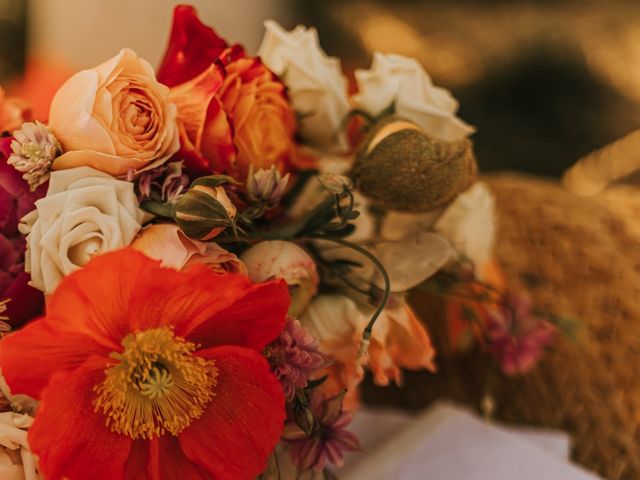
x: 224, y: 246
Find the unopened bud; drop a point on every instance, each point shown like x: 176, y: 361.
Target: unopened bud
x: 204, y: 212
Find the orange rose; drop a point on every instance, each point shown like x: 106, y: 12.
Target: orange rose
x: 232, y: 110
x: 115, y: 118
x: 263, y: 121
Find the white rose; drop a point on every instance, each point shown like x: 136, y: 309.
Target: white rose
x: 401, y: 80
x: 317, y: 87
x: 85, y: 212
x: 469, y: 223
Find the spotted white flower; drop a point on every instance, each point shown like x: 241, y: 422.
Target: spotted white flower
x: 34, y: 148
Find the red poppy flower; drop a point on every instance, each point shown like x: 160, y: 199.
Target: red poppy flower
x: 147, y: 372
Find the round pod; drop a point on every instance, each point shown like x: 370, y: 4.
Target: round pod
x: 399, y: 167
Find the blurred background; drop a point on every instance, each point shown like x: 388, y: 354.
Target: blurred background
x: 544, y: 81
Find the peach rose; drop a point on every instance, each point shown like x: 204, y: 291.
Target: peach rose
x: 115, y: 118
x: 167, y: 243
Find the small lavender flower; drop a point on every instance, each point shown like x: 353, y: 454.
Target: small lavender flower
x: 174, y: 182
x: 170, y: 188
x: 326, y: 440
x: 34, y: 149
x: 294, y: 357
x: 266, y: 186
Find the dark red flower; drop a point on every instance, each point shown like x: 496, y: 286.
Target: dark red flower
x: 147, y: 372
x: 192, y: 48
x: 16, y: 200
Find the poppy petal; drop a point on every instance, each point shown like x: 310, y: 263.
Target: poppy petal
x: 161, y: 459
x: 30, y: 356
x: 253, y: 320
x: 70, y: 438
x: 182, y: 299
x: 95, y: 299
x: 242, y: 424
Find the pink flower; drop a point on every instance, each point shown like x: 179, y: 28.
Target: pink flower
x: 517, y: 338
x: 327, y: 439
x: 15, y: 201
x: 294, y: 357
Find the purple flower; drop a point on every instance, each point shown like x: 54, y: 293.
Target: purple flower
x: 294, y: 357
x: 167, y: 182
x: 323, y: 438
x: 16, y: 200
x: 517, y: 337
x: 266, y: 186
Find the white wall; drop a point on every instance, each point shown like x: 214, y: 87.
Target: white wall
x: 83, y: 33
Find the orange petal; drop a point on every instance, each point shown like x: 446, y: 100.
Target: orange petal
x: 253, y: 320
x: 243, y: 422
x: 69, y: 437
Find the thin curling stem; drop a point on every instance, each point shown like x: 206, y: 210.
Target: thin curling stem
x: 366, y: 334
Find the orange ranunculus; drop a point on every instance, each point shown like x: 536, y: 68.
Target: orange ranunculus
x: 232, y: 110
x: 147, y: 372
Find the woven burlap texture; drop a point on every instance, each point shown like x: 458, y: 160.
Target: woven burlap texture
x: 579, y: 257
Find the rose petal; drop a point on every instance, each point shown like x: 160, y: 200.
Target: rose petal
x: 192, y: 48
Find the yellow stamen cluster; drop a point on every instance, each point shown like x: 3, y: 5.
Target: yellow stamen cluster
x: 156, y: 386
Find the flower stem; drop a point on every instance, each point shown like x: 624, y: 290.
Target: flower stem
x: 366, y: 334
x: 166, y: 210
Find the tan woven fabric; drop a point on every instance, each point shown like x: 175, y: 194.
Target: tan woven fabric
x: 576, y: 256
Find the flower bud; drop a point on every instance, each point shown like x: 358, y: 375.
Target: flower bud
x: 286, y: 260
x: 204, y: 212
x: 304, y: 419
x: 334, y: 183
x: 266, y: 186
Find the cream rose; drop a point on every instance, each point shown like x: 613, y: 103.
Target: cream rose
x: 398, y: 80
x: 115, y: 118
x: 317, y: 87
x: 85, y: 213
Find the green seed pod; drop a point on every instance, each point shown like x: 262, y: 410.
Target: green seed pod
x: 399, y: 167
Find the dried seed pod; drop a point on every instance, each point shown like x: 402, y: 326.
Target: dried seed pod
x: 401, y: 168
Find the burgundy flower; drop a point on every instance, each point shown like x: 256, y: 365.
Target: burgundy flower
x: 294, y: 357
x: 517, y: 337
x: 15, y: 201
x: 326, y: 438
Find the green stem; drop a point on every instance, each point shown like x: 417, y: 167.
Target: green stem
x: 166, y: 210
x: 366, y: 334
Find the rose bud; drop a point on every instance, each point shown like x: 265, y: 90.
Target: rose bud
x: 286, y: 260
x: 204, y: 212
x: 266, y: 186
x: 399, y: 167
